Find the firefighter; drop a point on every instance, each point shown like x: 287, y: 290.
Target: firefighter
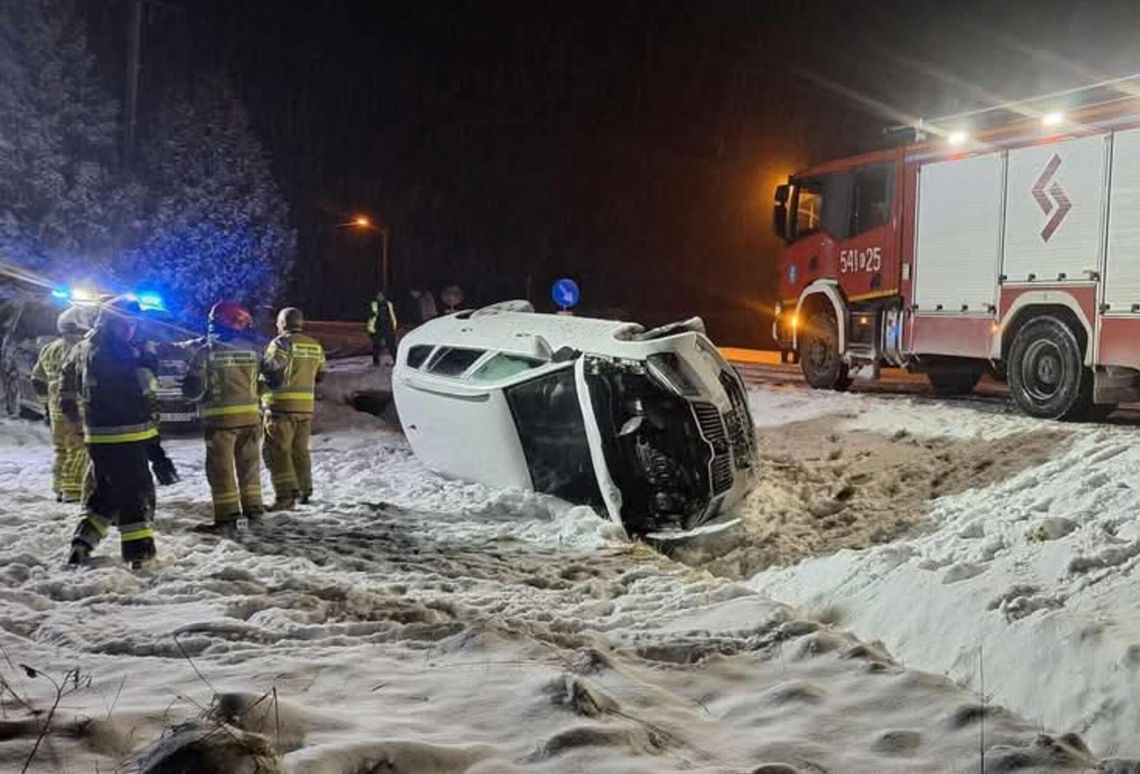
x: 293, y: 364
x: 114, y: 380
x: 382, y: 327
x: 66, y: 434
x: 223, y: 376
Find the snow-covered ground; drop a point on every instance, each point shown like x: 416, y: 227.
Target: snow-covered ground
x: 406, y: 623
x: 1027, y: 583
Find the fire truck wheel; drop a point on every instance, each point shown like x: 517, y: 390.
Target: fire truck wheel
x: 820, y: 361
x: 1047, y: 374
x: 948, y: 383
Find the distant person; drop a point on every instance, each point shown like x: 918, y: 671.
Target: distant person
x: 293, y: 364
x: 224, y: 377
x: 425, y: 304
x: 70, y: 465
x: 382, y: 328
x: 452, y: 297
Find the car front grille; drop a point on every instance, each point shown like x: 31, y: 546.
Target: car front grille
x: 712, y: 428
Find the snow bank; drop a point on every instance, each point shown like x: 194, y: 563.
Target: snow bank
x: 1027, y: 582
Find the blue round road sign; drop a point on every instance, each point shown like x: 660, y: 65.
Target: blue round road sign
x: 565, y: 293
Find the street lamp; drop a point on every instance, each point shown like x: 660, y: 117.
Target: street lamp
x: 364, y: 222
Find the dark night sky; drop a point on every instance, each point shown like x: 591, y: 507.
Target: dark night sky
x: 632, y: 145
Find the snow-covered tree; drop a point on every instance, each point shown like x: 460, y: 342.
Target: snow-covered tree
x: 217, y: 226
x: 62, y: 209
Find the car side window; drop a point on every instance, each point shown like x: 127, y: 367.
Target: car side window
x: 503, y: 366
x: 453, y: 361
x: 418, y: 354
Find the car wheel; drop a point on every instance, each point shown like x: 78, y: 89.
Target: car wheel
x: 820, y: 360
x: 948, y: 383
x: 1047, y: 374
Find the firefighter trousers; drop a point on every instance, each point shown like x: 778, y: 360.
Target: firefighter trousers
x: 70, y: 467
x: 120, y: 491
x: 233, y: 468
x: 287, y: 454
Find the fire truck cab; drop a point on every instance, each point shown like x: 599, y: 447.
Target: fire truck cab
x: 1014, y: 252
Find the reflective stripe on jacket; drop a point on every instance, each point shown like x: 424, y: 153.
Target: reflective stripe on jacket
x: 298, y: 360
x: 224, y: 375
x: 374, y: 323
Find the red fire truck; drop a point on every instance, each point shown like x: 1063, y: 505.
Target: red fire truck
x: 1014, y: 251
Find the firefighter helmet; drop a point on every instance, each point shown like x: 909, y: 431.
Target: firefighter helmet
x: 231, y: 315
x: 290, y: 319
x: 74, y: 320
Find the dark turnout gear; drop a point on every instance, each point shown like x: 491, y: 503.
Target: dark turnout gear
x: 120, y: 413
x: 122, y: 493
x: 293, y: 365
x: 382, y: 327
x: 223, y: 376
x: 162, y: 466
x: 70, y: 464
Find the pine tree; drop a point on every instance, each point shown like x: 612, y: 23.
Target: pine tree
x: 63, y: 211
x: 218, y: 227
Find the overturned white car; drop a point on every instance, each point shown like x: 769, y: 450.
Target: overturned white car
x: 649, y: 427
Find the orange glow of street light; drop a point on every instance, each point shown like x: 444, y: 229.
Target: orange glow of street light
x: 362, y: 221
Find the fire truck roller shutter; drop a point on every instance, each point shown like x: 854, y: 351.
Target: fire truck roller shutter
x: 958, y: 234
x: 1122, y: 269
x: 1055, y: 198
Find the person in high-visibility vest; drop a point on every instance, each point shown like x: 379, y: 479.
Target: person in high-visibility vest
x: 292, y: 366
x: 224, y: 376
x: 382, y: 327
x: 71, y: 459
x: 115, y: 383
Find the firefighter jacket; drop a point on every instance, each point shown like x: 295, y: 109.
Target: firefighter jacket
x: 117, y: 390
x: 223, y: 376
x: 293, y: 364
x: 47, y: 376
x: 382, y: 323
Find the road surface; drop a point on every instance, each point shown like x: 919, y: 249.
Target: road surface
x: 761, y: 367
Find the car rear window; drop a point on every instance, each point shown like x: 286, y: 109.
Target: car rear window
x: 453, y: 361
x: 503, y: 366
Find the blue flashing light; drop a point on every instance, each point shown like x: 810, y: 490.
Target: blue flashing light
x: 60, y: 293
x: 151, y: 302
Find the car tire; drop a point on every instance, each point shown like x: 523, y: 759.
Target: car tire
x: 1047, y: 375
x: 820, y: 359
x: 949, y: 383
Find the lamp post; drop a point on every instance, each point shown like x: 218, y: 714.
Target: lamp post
x: 364, y: 222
